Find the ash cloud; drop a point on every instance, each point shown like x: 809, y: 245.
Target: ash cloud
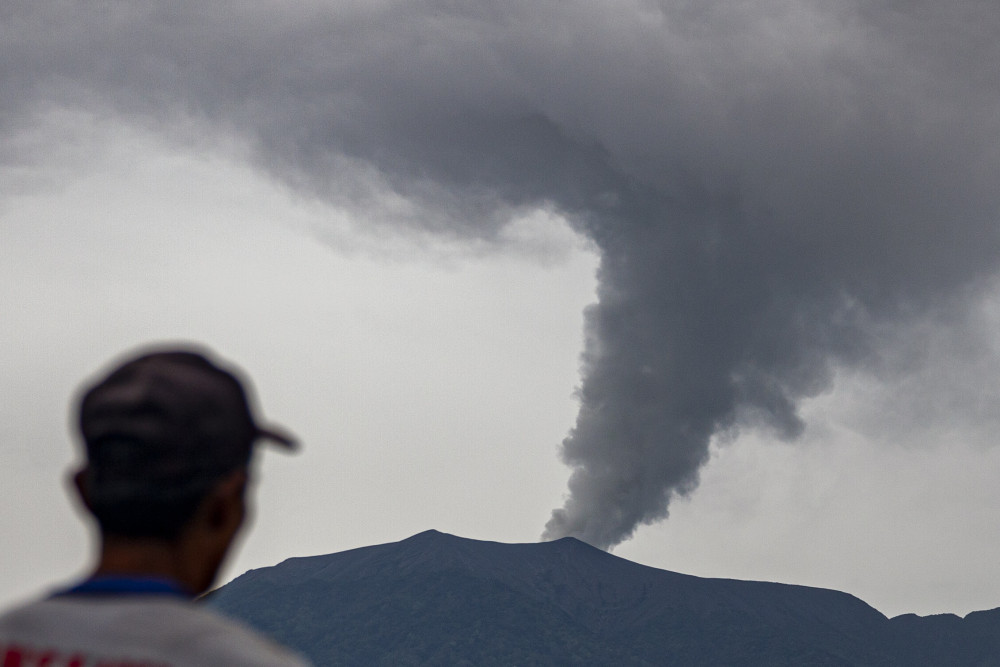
x: 771, y: 185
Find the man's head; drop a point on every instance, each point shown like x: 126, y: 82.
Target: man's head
x: 161, y: 431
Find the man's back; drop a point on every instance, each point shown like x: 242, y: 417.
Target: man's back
x: 133, y: 630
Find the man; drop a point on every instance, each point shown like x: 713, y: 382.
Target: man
x: 168, y: 438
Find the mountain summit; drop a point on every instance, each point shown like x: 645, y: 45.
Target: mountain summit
x: 438, y: 599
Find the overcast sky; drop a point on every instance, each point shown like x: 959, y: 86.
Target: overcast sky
x: 713, y: 286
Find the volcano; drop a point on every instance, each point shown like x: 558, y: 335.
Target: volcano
x: 438, y: 599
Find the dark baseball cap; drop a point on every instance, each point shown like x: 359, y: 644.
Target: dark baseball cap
x: 168, y: 423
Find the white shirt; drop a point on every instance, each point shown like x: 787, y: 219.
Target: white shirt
x: 131, y: 631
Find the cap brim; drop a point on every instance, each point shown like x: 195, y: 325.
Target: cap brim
x: 277, y: 436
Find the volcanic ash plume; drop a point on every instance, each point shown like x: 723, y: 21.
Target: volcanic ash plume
x: 770, y: 184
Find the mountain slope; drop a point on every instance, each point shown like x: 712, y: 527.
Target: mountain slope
x: 440, y: 599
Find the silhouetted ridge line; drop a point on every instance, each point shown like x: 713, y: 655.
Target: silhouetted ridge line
x: 436, y: 598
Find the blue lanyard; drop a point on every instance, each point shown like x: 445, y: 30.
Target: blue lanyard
x: 125, y: 585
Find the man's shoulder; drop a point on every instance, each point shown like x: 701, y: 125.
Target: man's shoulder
x: 143, y: 629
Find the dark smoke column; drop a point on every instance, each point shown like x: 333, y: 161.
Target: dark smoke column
x: 687, y: 336
x: 645, y: 417
x: 635, y: 443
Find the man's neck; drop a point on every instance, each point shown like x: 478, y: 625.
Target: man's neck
x: 158, y: 559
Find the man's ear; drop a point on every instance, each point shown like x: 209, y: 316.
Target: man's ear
x: 226, y: 501
x: 79, y: 479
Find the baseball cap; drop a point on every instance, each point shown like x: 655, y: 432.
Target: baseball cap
x: 168, y: 423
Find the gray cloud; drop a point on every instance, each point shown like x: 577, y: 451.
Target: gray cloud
x: 772, y: 186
